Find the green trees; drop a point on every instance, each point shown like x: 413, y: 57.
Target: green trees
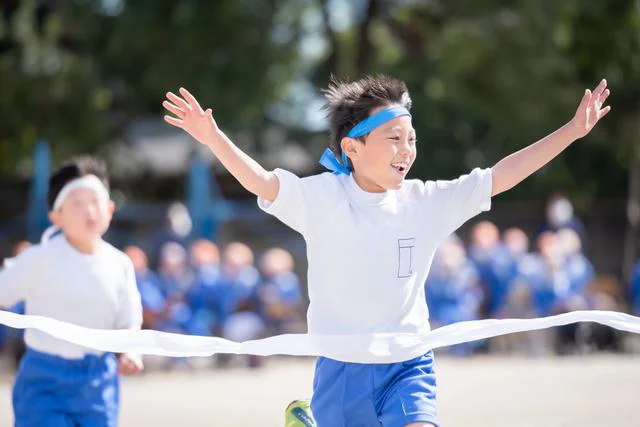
x: 486, y: 77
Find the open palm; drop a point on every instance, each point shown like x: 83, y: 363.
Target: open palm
x: 590, y: 109
x: 190, y: 116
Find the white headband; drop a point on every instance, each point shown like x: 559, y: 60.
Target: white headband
x: 90, y: 182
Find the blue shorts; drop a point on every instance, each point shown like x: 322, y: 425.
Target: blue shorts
x: 51, y: 391
x: 374, y: 395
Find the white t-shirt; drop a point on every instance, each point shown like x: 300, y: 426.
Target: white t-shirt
x: 56, y: 280
x: 369, y: 253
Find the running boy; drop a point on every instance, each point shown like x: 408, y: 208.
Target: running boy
x: 371, y: 234
x: 75, y: 277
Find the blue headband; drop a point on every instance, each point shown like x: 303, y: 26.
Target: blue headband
x: 329, y: 160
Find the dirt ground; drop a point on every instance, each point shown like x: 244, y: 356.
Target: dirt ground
x: 600, y: 390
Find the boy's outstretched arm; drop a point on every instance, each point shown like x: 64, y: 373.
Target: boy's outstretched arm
x: 201, y: 126
x: 509, y: 171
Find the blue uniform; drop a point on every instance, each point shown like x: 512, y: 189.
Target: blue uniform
x: 550, y: 287
x: 155, y: 301
x: 152, y: 298
x: 279, y: 289
x: 580, y: 271
x: 497, y: 269
x: 374, y: 395
x: 636, y: 290
x: 453, y: 295
x: 202, y: 300
x: 234, y: 289
x: 51, y: 391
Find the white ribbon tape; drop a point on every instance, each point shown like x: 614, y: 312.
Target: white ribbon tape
x: 371, y: 348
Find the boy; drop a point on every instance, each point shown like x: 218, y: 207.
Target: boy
x: 371, y: 234
x: 74, y: 277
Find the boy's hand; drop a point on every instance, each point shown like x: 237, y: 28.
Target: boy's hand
x: 590, y: 109
x: 130, y: 364
x: 200, y: 124
x: 190, y: 116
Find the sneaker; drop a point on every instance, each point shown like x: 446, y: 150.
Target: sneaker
x: 298, y: 414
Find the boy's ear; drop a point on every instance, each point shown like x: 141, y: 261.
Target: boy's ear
x: 349, y: 146
x: 111, y: 208
x: 54, y: 217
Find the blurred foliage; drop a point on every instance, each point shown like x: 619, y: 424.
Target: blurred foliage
x: 77, y: 72
x: 486, y: 78
x: 47, y: 87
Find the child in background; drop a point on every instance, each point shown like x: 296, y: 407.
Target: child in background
x: 79, y: 278
x: 201, y: 298
x: 175, y: 281
x: 519, y: 298
x: 577, y: 265
x: 154, y: 303
x: 237, y: 299
x: 453, y: 290
x: 175, y: 277
x: 239, y: 283
x: 279, y: 295
x: 516, y: 242
x: 494, y: 264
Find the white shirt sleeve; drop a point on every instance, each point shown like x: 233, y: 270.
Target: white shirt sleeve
x: 19, y: 275
x: 299, y: 201
x: 452, y: 203
x: 130, y: 305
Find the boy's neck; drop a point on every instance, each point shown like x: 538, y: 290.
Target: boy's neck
x: 367, y: 185
x: 86, y: 247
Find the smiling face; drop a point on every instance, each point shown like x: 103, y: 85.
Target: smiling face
x: 382, y: 159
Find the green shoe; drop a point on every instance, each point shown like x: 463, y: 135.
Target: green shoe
x: 298, y: 414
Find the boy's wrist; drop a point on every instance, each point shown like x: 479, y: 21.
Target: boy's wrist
x: 573, y: 129
x: 213, y: 140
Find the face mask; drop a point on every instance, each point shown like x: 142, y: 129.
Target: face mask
x: 560, y: 212
x: 180, y: 220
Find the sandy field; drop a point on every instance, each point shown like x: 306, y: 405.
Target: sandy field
x: 599, y: 390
